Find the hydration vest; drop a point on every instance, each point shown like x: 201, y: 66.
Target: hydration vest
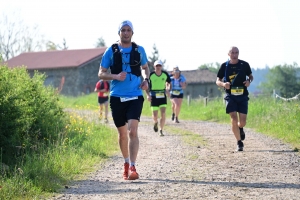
x: 135, y: 60
x: 104, y: 85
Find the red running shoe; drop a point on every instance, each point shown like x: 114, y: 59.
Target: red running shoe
x: 132, y: 173
x: 125, y: 173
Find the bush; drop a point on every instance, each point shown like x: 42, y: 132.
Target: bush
x: 30, y: 114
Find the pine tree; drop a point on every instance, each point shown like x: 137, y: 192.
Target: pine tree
x: 153, y: 58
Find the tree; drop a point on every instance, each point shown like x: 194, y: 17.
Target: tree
x: 284, y: 79
x: 16, y: 38
x: 65, y: 44
x: 51, y: 46
x: 100, y: 42
x: 213, y: 67
x: 153, y: 58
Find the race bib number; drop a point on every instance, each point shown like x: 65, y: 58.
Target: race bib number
x: 123, y: 99
x: 237, y: 90
x: 160, y: 95
x: 176, y: 92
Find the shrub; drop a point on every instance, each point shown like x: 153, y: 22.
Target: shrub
x: 30, y: 114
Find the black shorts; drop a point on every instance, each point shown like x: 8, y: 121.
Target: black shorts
x: 156, y: 102
x: 124, y: 111
x: 102, y: 100
x: 236, y: 103
x: 177, y: 96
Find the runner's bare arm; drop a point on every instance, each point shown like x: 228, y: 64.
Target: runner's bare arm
x: 145, y: 74
x: 103, y: 74
x: 145, y: 71
x: 249, y: 80
x: 220, y: 83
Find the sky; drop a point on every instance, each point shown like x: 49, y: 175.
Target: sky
x: 187, y: 33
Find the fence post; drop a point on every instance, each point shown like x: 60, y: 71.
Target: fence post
x: 205, y: 101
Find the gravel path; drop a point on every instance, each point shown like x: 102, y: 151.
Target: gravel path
x: 171, y: 168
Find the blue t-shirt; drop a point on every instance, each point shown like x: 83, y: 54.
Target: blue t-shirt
x: 130, y: 87
x: 176, y: 84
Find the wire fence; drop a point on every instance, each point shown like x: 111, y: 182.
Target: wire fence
x: 206, y: 99
x: 297, y: 97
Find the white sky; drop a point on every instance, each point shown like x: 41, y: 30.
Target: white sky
x: 187, y: 33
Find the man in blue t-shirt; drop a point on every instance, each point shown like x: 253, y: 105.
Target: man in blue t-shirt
x: 235, y: 77
x: 127, y: 61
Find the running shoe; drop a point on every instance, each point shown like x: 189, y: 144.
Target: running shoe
x: 132, y: 173
x: 125, y: 173
x: 242, y: 133
x: 173, y: 116
x: 106, y: 120
x: 176, y: 120
x: 155, y: 127
x: 100, y: 116
x: 240, y: 146
x: 161, y: 133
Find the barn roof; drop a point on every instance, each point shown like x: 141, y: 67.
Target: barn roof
x: 55, y: 59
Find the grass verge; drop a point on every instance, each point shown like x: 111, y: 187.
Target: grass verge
x: 45, y: 171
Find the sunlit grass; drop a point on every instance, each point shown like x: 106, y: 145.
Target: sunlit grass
x: 82, y: 145
x: 84, y: 102
x: 276, y: 118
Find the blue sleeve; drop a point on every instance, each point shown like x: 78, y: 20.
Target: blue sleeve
x: 106, y: 60
x: 182, y: 78
x: 144, y: 59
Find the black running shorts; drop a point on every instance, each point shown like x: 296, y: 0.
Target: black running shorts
x: 156, y: 102
x: 236, y: 103
x: 102, y: 100
x: 177, y: 96
x: 124, y: 111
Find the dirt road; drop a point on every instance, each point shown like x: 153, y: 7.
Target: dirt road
x: 184, y: 167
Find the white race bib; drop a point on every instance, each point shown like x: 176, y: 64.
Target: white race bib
x: 123, y: 99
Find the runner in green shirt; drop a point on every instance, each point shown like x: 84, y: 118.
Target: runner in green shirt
x: 159, y: 85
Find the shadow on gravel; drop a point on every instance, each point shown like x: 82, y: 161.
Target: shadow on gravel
x: 111, y: 187
x: 233, y: 184
x: 274, y: 151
